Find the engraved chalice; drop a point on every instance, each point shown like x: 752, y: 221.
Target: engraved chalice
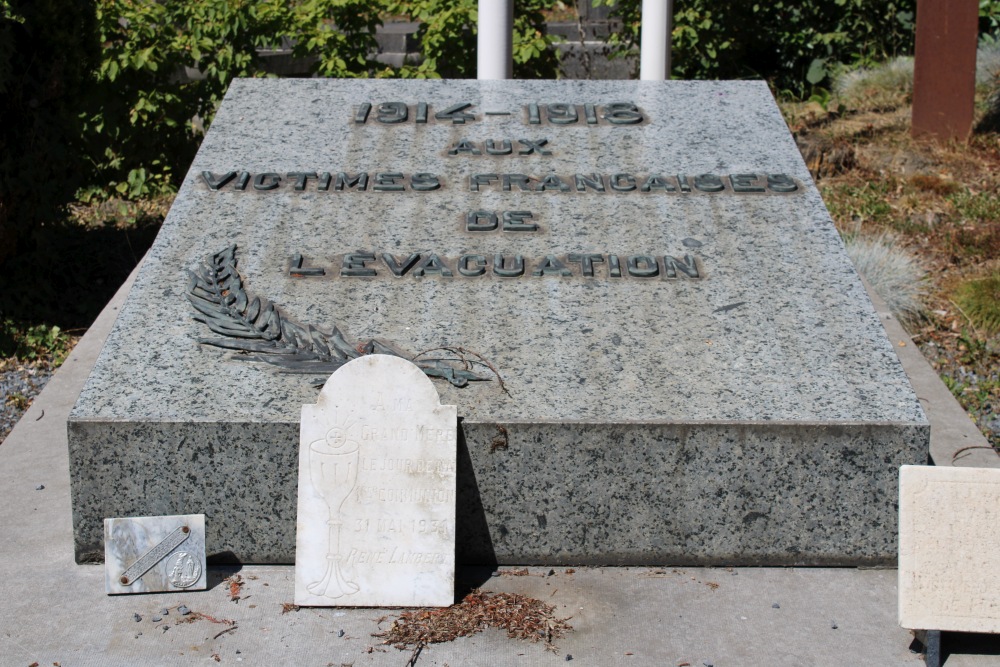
x: 333, y: 469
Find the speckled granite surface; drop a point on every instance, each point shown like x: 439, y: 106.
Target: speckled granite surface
x: 754, y: 414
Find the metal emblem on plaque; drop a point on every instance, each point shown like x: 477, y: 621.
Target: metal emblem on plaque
x: 154, y: 554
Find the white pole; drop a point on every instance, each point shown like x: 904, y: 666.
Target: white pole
x: 495, y: 46
x: 654, y: 55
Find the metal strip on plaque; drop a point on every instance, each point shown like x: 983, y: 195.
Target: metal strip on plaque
x: 146, y: 561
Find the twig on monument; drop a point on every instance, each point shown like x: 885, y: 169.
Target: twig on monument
x: 197, y: 615
x: 235, y: 586
x: 501, y: 440
x: 462, y: 352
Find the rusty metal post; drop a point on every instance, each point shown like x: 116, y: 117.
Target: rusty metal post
x: 944, y: 77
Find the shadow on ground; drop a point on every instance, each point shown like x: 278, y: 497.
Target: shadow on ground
x: 66, y: 273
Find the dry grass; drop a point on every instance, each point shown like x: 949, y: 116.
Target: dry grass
x: 887, y: 86
x: 940, y: 203
x: 979, y: 300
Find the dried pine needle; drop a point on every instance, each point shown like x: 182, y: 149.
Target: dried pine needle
x: 521, y: 616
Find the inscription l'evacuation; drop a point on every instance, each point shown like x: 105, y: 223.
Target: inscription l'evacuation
x: 372, y: 264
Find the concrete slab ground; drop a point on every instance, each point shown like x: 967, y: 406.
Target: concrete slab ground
x: 54, y: 612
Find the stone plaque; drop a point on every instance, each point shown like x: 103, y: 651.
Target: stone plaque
x: 154, y: 554
x: 949, y: 537
x: 376, y: 499
x: 631, y: 290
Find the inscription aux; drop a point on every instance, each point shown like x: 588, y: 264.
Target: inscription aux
x: 366, y: 264
x: 591, y: 183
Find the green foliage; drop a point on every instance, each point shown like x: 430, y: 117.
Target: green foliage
x: 34, y: 343
x: 447, y: 37
x: 989, y: 122
x: 989, y: 17
x: 796, y: 45
x: 47, y: 51
x: 977, y: 207
x: 166, y: 65
x: 110, y: 98
x: 980, y: 301
x: 865, y: 206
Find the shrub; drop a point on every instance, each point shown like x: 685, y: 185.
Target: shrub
x: 979, y: 300
x: 166, y: 65
x: 795, y: 45
x: 988, y: 78
x: 447, y: 36
x: 884, y: 86
x: 891, y: 271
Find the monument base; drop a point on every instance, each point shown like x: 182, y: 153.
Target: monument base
x: 742, y: 493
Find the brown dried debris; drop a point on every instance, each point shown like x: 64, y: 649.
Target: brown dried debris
x: 521, y: 616
x: 501, y: 440
x: 198, y: 616
x: 287, y: 607
x: 235, y: 586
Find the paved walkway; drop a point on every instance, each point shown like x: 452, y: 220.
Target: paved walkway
x: 54, y: 612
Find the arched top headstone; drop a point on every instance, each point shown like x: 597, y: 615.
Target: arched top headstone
x: 374, y: 375
x: 376, y: 499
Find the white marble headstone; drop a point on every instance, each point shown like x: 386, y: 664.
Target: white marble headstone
x: 151, y: 554
x: 949, y: 539
x: 376, y: 499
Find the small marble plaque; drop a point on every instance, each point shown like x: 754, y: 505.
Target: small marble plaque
x: 949, y: 538
x: 154, y: 554
x: 376, y: 499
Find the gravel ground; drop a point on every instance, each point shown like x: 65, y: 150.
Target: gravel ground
x: 19, y: 384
